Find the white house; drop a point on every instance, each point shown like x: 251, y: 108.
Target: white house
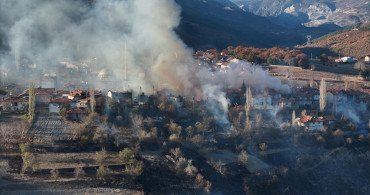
x: 310, y: 123
x: 120, y: 96
x: 14, y: 105
x: 367, y: 59
x: 56, y: 104
x: 315, y: 123
x: 346, y: 59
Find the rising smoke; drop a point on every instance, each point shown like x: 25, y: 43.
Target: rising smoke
x: 138, y: 33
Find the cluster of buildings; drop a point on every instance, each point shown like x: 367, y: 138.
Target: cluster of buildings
x: 304, y: 100
x: 76, y: 102
x: 218, y: 61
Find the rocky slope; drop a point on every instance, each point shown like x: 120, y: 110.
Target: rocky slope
x: 311, y: 13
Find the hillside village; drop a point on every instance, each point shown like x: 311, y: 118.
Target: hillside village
x: 266, y: 129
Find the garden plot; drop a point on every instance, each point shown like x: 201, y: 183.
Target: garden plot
x: 49, y: 127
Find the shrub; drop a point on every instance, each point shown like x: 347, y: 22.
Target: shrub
x: 100, y: 157
x: 283, y: 171
x: 126, y: 155
x: 103, y: 173
x: 28, y: 158
x: 199, y: 179
x: 361, y: 138
x: 189, y: 131
x: 176, y: 152
x: 180, y: 165
x: 263, y: 146
x: 54, y: 173
x: 78, y: 172
x: 320, y: 139
x: 243, y: 157
x: 208, y: 187
x: 190, y: 170
x: 197, y: 139
x: 174, y: 137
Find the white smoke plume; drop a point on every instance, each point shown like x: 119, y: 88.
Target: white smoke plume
x: 45, y: 32
x: 112, y: 33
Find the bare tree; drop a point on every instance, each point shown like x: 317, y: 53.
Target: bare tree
x: 137, y: 122
x: 322, y: 95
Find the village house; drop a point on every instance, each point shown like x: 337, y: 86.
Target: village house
x: 308, y: 100
x: 25, y: 93
x: 315, y: 123
x: 77, y: 95
x: 14, y: 105
x: 353, y: 95
x: 120, y: 96
x: 56, y: 104
x: 43, y: 97
x: 61, y: 94
x: 83, y: 103
x: 77, y: 113
x: 288, y: 103
x: 367, y: 59
x: 141, y: 99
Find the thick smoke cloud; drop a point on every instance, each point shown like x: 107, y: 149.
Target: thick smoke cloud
x: 111, y: 33
x: 48, y: 31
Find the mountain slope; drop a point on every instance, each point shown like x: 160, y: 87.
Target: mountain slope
x: 211, y: 23
x: 352, y: 41
x: 310, y: 12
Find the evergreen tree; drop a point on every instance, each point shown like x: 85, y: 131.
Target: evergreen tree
x: 322, y: 95
x: 248, y: 103
x: 31, y: 102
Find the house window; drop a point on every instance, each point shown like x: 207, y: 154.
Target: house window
x: 15, y: 103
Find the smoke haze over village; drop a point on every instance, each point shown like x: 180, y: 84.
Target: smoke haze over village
x: 181, y: 97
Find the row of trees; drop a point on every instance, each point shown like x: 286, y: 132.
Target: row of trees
x: 275, y: 55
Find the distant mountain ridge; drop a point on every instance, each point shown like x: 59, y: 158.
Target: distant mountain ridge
x: 220, y: 23
x: 311, y: 13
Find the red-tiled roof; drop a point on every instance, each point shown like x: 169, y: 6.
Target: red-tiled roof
x: 14, y: 99
x: 84, y: 100
x: 305, y: 119
x: 77, y: 111
x: 61, y: 92
x: 42, y: 93
x: 38, y: 90
x: 61, y: 100
x: 46, y: 90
